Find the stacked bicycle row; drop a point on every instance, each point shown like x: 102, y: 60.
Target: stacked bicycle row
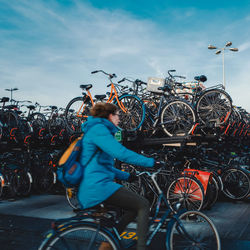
x: 25, y: 172
x: 23, y: 124
x: 164, y: 105
x: 192, y: 177
x: 159, y: 108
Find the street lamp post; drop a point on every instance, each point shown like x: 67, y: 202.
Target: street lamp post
x: 222, y: 50
x: 11, y: 90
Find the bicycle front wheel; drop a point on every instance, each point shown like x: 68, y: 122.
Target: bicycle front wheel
x: 81, y: 236
x: 178, y: 118
x: 132, y: 112
x: 187, y: 192
x: 193, y: 230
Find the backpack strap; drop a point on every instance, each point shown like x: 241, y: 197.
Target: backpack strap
x: 91, y: 158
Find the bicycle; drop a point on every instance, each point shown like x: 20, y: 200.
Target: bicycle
x: 213, y: 105
x: 175, y: 116
x: 90, y: 228
x: 132, y: 111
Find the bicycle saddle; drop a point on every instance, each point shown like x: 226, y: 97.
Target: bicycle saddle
x: 53, y: 107
x: 4, y: 99
x: 31, y: 107
x: 200, y: 78
x: 87, y: 86
x: 165, y: 88
x: 100, y: 97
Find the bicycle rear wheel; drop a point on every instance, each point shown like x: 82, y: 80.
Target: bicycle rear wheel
x: 214, y: 106
x: 71, y: 196
x: 21, y: 183
x: 177, y: 118
x: 132, y: 112
x: 77, y: 112
x: 193, y: 230
x: 236, y: 183
x: 80, y: 236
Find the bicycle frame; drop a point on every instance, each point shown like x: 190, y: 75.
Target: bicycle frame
x: 158, y: 222
x: 113, y: 95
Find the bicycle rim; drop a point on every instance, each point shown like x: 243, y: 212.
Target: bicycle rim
x: 86, y: 237
x: 194, y: 230
x: 177, y: 118
x: 132, y: 112
x: 71, y: 196
x: 186, y: 191
x: 76, y: 113
x: 214, y: 106
x: 236, y: 184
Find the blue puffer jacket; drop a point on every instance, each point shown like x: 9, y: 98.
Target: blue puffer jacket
x: 98, y: 177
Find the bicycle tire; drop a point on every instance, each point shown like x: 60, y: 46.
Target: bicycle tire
x: 11, y: 119
x: 214, y: 106
x: 1, y: 131
x: 74, y: 120
x: 201, y: 232
x: 186, y: 191
x: 44, y: 182
x: 37, y: 121
x: 71, y: 196
x: 21, y: 183
x: 133, y: 118
x: 55, y: 125
x: 177, y: 118
x: 1, y: 185
x: 84, y: 235
x: 211, y: 194
x: 234, y: 187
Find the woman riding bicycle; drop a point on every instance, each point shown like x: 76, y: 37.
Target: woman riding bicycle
x: 98, y: 184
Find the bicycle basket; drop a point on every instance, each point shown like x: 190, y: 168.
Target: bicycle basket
x: 154, y: 83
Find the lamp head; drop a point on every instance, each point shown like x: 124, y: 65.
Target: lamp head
x: 218, y: 52
x: 228, y: 44
x: 211, y: 47
x: 234, y: 49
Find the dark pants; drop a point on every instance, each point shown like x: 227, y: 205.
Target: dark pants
x: 134, y: 205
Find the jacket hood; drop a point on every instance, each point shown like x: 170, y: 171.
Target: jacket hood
x: 92, y: 121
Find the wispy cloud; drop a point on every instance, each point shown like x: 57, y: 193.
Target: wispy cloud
x: 50, y: 50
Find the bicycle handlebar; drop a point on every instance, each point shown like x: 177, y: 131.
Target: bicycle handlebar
x: 138, y: 173
x: 140, y: 82
x: 182, y: 77
x: 110, y: 75
x: 122, y: 80
x: 171, y: 70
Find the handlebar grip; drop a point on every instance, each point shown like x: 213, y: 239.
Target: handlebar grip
x: 122, y: 80
x: 93, y: 72
x: 109, y: 85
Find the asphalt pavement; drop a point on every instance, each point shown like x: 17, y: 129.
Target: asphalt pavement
x: 24, y: 222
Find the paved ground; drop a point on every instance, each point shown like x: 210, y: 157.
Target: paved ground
x: 23, y: 222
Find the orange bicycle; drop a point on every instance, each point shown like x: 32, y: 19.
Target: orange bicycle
x: 132, y: 110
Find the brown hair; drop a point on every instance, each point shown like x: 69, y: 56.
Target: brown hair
x: 103, y: 110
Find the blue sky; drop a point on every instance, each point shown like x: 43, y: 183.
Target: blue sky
x: 48, y: 48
